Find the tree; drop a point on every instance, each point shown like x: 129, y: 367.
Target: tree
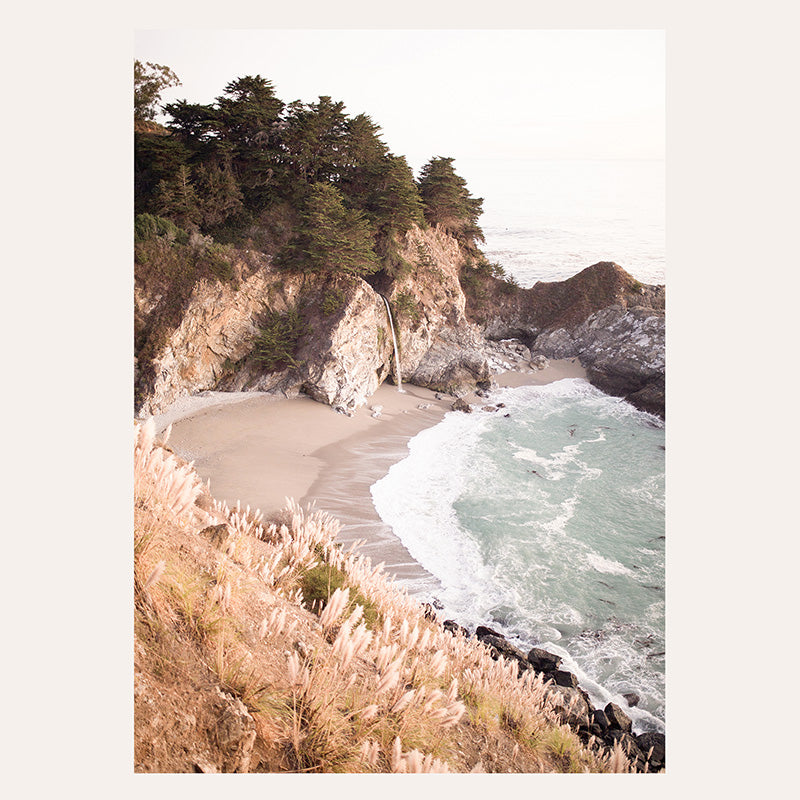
x: 149, y: 80
x: 247, y: 112
x: 448, y: 203
x: 193, y: 123
x: 331, y: 238
x: 218, y: 195
x: 313, y: 140
x: 156, y: 159
x: 176, y: 200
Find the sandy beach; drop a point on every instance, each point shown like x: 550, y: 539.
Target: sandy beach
x: 259, y: 450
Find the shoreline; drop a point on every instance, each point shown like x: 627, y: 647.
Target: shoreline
x: 259, y: 449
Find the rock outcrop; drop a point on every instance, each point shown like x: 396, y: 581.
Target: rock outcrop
x: 447, y: 341
x: 345, y: 350
x: 612, y: 323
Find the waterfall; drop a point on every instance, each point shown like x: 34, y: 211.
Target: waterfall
x: 396, y: 352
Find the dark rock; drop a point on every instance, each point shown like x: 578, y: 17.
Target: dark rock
x: 454, y: 627
x: 501, y: 405
x: 617, y: 718
x: 461, y: 405
x: 658, y: 743
x: 629, y: 746
x: 217, y: 534
x: 504, y: 648
x: 631, y: 698
x: 600, y: 719
x: 542, y: 661
x: 483, y: 630
x: 569, y: 705
x: 428, y: 612
x: 484, y: 385
x: 564, y: 678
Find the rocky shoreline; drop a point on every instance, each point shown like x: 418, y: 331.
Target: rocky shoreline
x: 598, y: 728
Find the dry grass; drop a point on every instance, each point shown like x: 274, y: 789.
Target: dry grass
x: 218, y: 597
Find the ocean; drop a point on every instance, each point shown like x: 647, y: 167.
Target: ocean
x: 548, y: 220
x: 548, y: 524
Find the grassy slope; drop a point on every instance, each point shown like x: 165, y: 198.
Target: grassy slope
x: 234, y: 673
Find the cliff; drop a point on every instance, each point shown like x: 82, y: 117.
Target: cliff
x: 611, y: 322
x: 329, y: 336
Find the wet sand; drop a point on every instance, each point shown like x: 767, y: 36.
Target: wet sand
x: 260, y: 450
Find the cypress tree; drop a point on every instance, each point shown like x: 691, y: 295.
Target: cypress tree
x: 331, y: 238
x: 448, y: 203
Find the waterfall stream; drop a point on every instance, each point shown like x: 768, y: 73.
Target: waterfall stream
x: 396, y: 352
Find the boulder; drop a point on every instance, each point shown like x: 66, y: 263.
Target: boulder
x: 617, y: 718
x: 539, y: 361
x: 569, y: 705
x: 600, y: 719
x: 453, y: 627
x: 542, y: 661
x: 461, y: 405
x: 657, y: 742
x: 235, y: 733
x: 629, y: 746
x: 564, y: 678
x: 631, y: 698
x: 504, y: 648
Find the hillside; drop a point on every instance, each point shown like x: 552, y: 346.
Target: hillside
x: 260, y: 646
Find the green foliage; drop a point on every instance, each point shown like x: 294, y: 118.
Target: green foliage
x: 218, y: 194
x: 176, y: 198
x: 227, y: 164
x: 331, y: 238
x: 148, y: 226
x: 448, y: 203
x: 471, y: 283
x: 149, y: 80
x: 276, y: 344
x: 333, y: 301
x: 321, y: 581
x: 424, y: 259
x: 405, y: 305
x: 156, y: 159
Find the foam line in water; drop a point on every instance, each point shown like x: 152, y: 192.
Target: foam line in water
x: 539, y: 558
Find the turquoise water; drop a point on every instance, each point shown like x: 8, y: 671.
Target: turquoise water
x: 547, y: 524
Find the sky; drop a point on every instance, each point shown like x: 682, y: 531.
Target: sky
x: 468, y: 94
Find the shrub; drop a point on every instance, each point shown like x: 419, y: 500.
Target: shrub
x: 332, y: 301
x: 321, y: 581
x: 149, y: 226
x: 405, y: 305
x: 276, y: 342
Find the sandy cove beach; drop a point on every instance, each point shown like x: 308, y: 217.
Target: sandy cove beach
x: 259, y: 450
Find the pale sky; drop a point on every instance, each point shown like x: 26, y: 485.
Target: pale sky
x: 468, y: 94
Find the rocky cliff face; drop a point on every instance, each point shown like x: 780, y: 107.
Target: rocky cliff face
x: 439, y: 348
x: 602, y: 316
x: 345, y: 351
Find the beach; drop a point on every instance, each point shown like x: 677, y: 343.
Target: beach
x: 258, y: 449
